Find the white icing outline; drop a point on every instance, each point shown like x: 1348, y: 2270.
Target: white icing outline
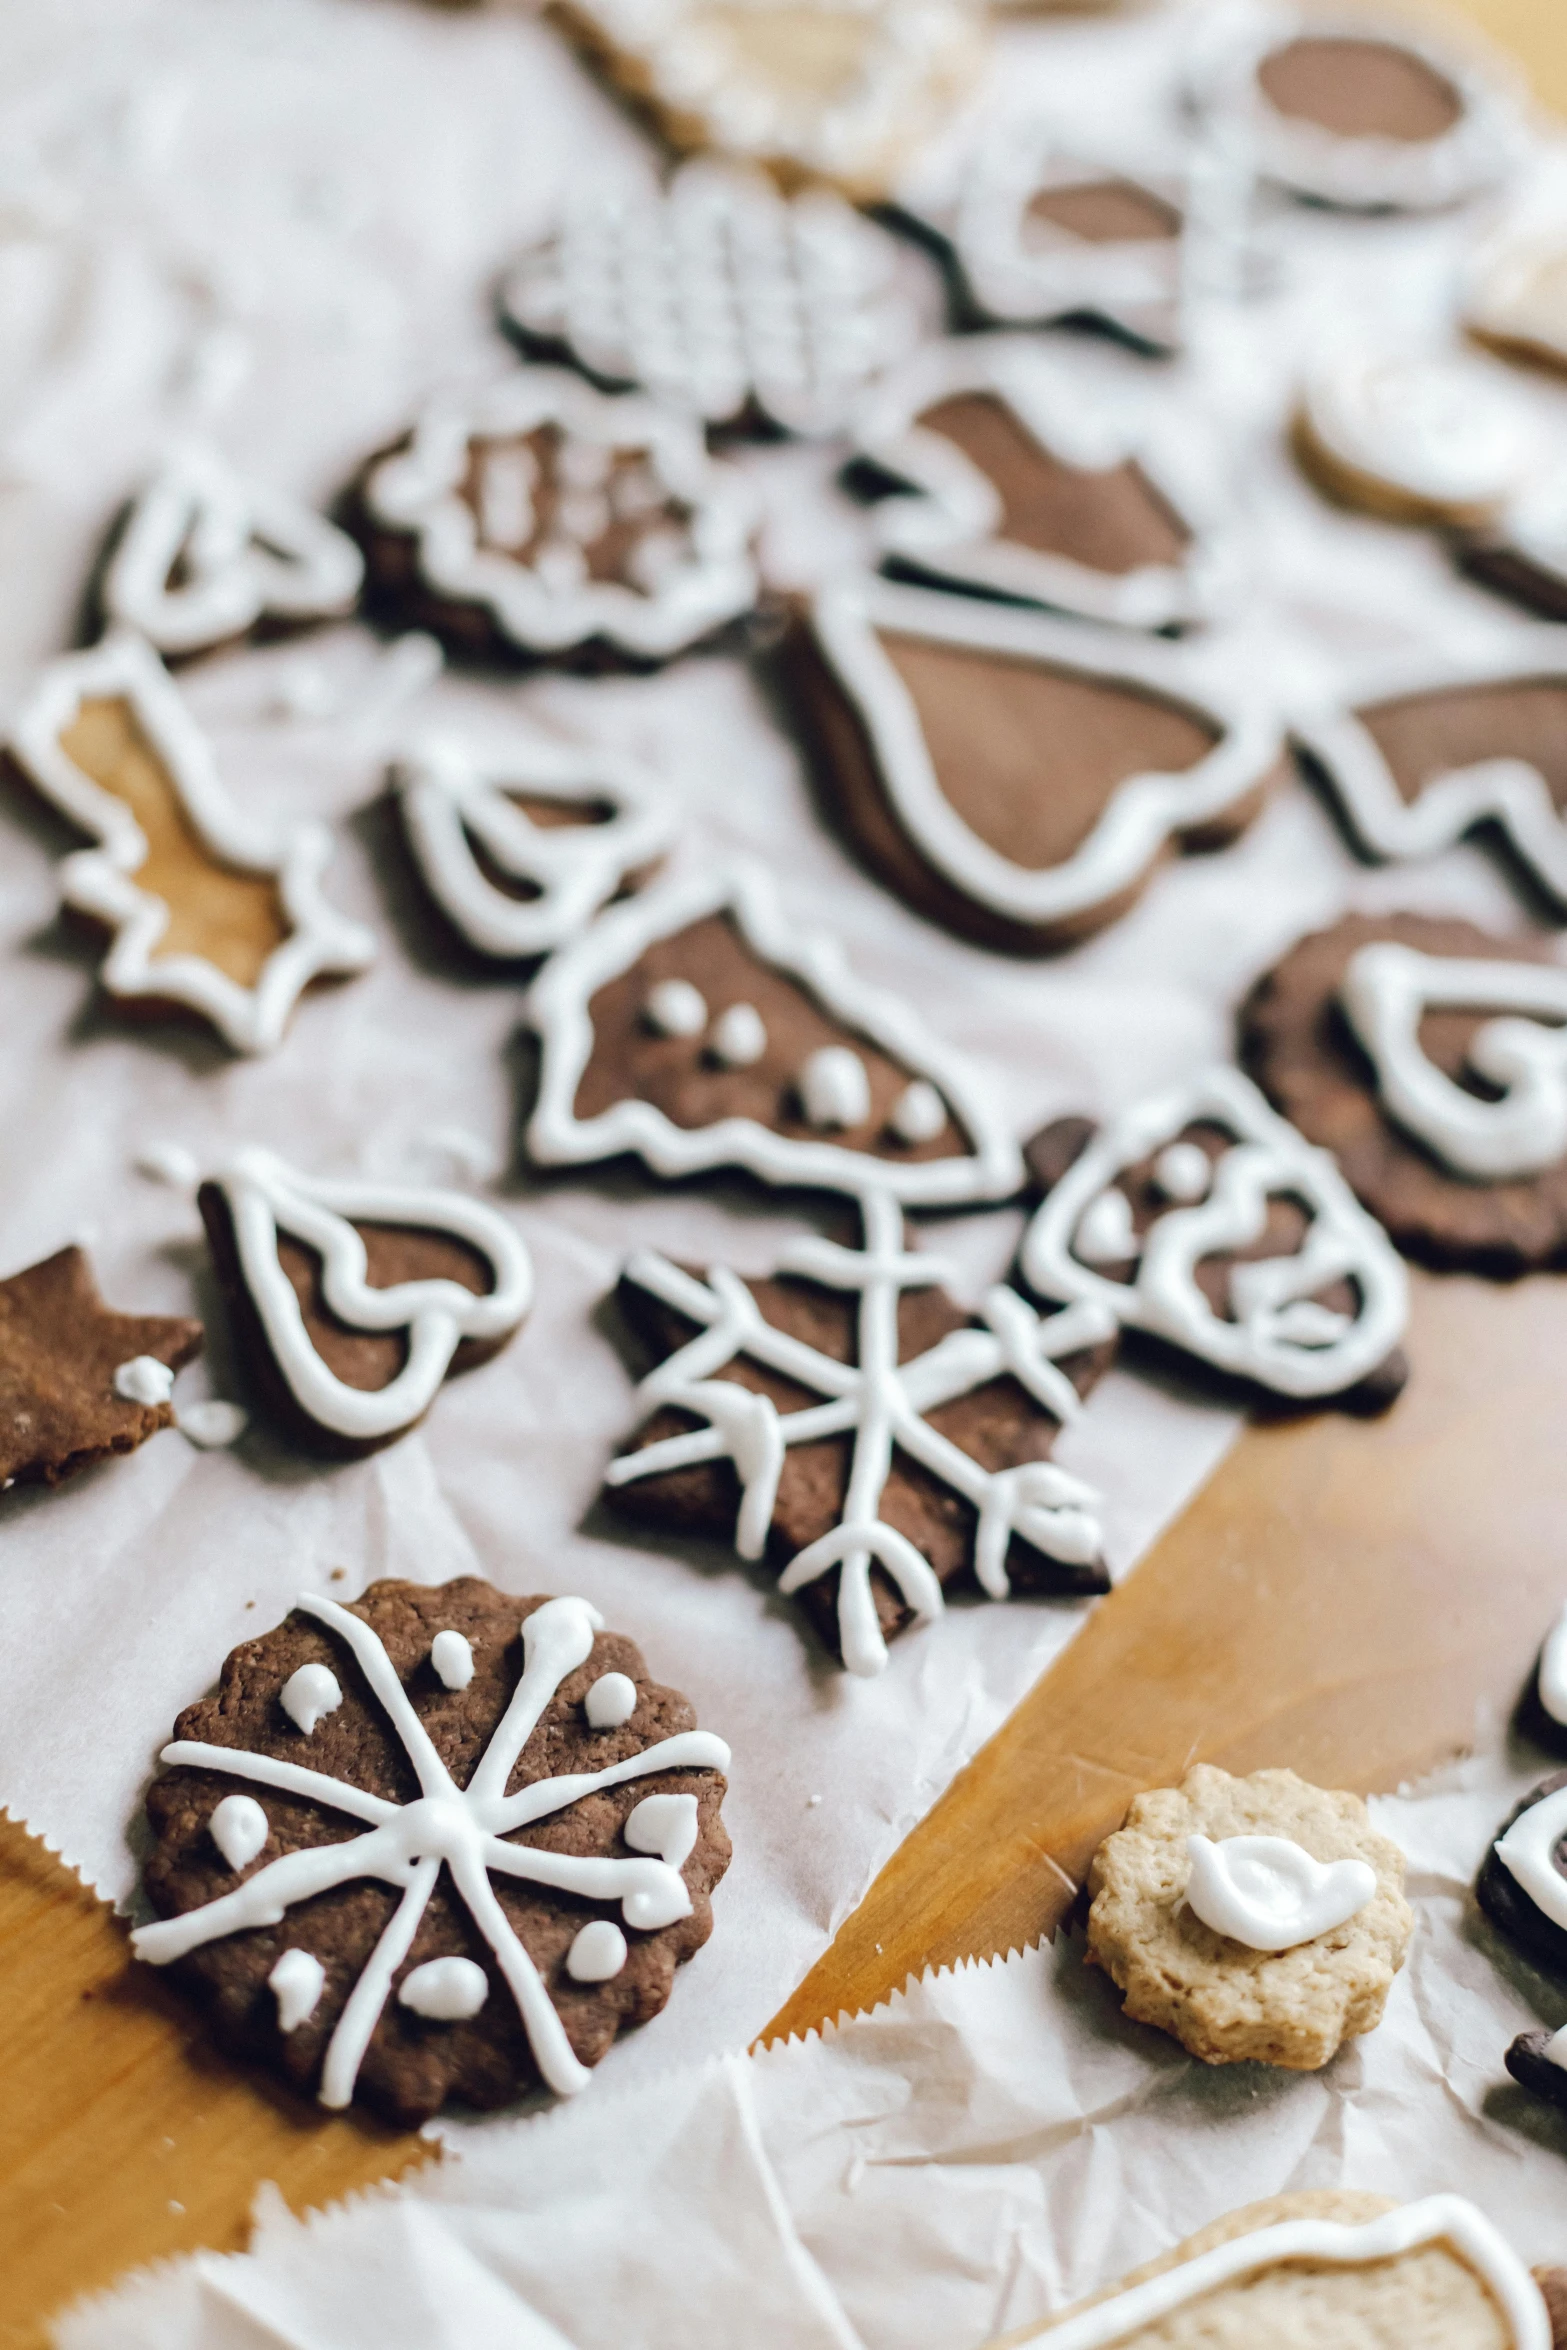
x: 464, y: 1829
x: 448, y: 797
x: 1485, y: 446
x: 883, y: 1403
x: 718, y: 291
x: 265, y: 1196
x: 1552, y: 1675
x: 100, y: 881
x: 416, y: 491
x: 1387, y: 988
x: 1326, y: 2243
x: 558, y: 1008
x: 1142, y: 815
x: 251, y: 553
x: 946, y: 524
x: 1525, y: 1852
x: 1326, y: 1894
x: 1269, y: 1159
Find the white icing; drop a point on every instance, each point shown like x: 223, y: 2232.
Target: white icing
x: 549, y: 606
x: 266, y: 1198
x: 1527, y: 1850
x: 675, y: 1008
x: 144, y: 1380
x: 1268, y: 1891
x: 665, y: 1824
x: 297, y: 1981
x: 1386, y: 990
x: 451, y: 800
x: 597, y: 1953
x: 1449, y: 432
x: 446, y: 1990
x: 559, y: 1008
x: 835, y: 1089
x: 309, y: 1695
x: 1517, y: 290
x: 452, y: 1657
x: 1553, y: 1671
x: 169, y: 1163
x: 465, y: 1830
x: 239, y: 1829
x: 1270, y: 1340
x: 100, y: 881
x: 243, y: 553
x: 212, y: 1423
x: 739, y: 1037
x: 919, y: 1114
x: 1107, y: 1234
x: 1555, y: 2049
x: 882, y: 1403
x: 1183, y: 1171
x: 1142, y: 814
x: 611, y: 1701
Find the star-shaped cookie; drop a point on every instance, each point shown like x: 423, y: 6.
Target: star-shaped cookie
x: 77, y: 1381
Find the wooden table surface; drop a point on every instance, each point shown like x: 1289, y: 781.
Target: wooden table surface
x: 1341, y: 1597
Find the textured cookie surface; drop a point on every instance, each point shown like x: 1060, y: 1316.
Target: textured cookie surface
x: 60, y: 1348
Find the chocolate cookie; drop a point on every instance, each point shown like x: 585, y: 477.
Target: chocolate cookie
x: 78, y: 1381
x: 1013, y: 777
x: 353, y: 1300
x: 387, y: 1854
x: 873, y: 1440
x: 1431, y: 1059
x: 1538, y: 2063
x: 1523, y: 1884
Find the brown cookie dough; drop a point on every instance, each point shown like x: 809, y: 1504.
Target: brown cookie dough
x: 1509, y: 1904
x: 60, y: 1348
x: 416, y: 2058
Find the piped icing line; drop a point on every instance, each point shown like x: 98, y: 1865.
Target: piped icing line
x: 882, y: 1403
x: 1438, y: 2219
x: 266, y: 1197
x: 243, y: 553
x: 100, y: 881
x: 450, y: 799
x: 558, y: 1008
x: 1553, y: 1671
x: 948, y: 524
x: 461, y: 1828
x: 1142, y: 815
x: 1270, y: 1893
x: 1279, y: 1337
x: 1386, y: 991
x: 1528, y: 1853
x: 416, y: 490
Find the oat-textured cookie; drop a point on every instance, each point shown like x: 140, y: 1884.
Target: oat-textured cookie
x: 1225, y: 2002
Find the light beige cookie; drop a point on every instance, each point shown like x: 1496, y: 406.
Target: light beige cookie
x: 1225, y: 2001
x: 1430, y: 438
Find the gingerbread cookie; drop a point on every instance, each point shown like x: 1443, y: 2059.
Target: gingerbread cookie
x: 203, y: 556
x: 1202, y: 1220
x: 1008, y: 487
x: 78, y: 1381
x: 387, y: 1856
x: 1013, y: 777
x: 697, y: 1028
x: 1257, y: 1920
x: 1420, y: 437
x: 721, y: 296
x: 846, y: 1420
x: 208, y: 905
x: 520, y: 852
x: 1523, y: 1884
x: 539, y: 519
x: 355, y: 1299
x: 1431, y: 1059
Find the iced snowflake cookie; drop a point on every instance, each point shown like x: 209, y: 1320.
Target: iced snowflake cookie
x: 77, y: 1380
x: 1015, y: 777
x: 440, y: 1843
x: 1005, y: 485
x: 1204, y: 1222
x: 721, y: 296
x: 354, y: 1299
x: 203, y: 556
x: 1418, y: 437
x: 1327, y: 2265
x: 835, y: 90
x: 1431, y: 1059
x: 1257, y: 1920
x: 541, y: 520
x: 209, y: 906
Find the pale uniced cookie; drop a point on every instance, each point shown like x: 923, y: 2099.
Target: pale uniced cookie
x: 1225, y: 2001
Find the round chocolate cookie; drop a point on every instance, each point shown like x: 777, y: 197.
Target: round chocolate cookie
x: 1453, y: 1065
x: 1522, y: 1886
x: 395, y: 1855
x: 1535, y: 2068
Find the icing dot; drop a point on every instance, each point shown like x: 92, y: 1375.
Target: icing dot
x: 213, y: 1424
x: 298, y: 1980
x: 675, y: 1008
x: 739, y: 1037
x: 310, y: 1693
x: 666, y: 1825
x: 1306, y: 1323
x: 452, y: 1657
x: 447, y: 1990
x: 1184, y: 1172
x: 919, y: 1113
x: 611, y: 1701
x: 834, y: 1089
x: 169, y: 1163
x: 598, y: 1952
x: 1106, y: 1234
x: 239, y: 1829
x: 144, y: 1380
